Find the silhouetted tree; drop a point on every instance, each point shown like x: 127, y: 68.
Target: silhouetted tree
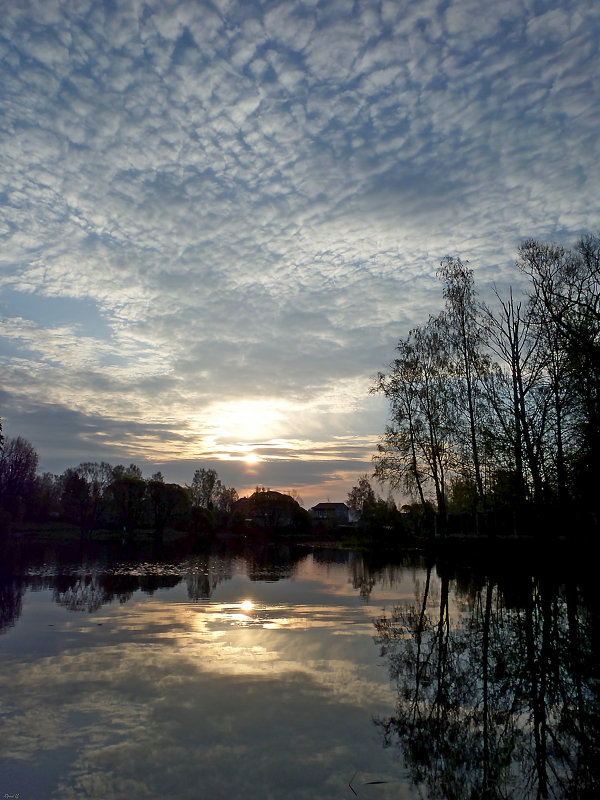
x: 47, y: 494
x: 203, y: 488
x: 520, y: 400
x: 169, y: 504
x: 566, y: 301
x: 126, y: 494
x: 18, y: 465
x: 362, y: 498
x: 270, y: 509
x: 417, y: 447
x: 463, y: 496
x: 468, y: 358
x: 225, y: 499
x: 85, y: 494
x: 506, y: 398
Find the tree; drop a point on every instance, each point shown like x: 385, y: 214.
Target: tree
x: 18, y: 465
x: 520, y: 401
x: 127, y: 493
x: 361, y: 498
x: 466, y: 345
x: 75, y: 500
x: 225, y: 497
x: 168, y: 503
x: 567, y: 284
x: 47, y: 495
x: 566, y: 301
x: 267, y: 508
x: 504, y: 398
x: 86, y: 494
x: 462, y: 496
x: 417, y: 447
x: 204, y: 486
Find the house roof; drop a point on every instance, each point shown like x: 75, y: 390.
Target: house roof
x: 331, y: 505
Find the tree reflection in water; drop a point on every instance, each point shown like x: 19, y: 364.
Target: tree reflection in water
x: 497, y: 690
x: 11, y: 601
x: 203, y: 575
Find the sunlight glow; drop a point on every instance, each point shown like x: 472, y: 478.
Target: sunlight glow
x: 247, y: 605
x: 252, y: 458
x: 245, y: 420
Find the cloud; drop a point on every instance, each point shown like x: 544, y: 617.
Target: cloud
x: 254, y: 199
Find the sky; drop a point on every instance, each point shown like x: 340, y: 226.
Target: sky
x: 218, y: 218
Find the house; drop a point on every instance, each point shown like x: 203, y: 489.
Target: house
x: 267, y: 508
x: 334, y: 513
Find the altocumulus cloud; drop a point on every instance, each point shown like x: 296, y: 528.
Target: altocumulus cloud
x: 218, y: 218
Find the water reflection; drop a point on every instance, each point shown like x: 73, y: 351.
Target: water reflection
x: 11, y: 600
x: 204, y: 574
x: 253, y: 673
x: 12, y: 589
x: 498, y: 690
x: 84, y: 578
x: 119, y: 682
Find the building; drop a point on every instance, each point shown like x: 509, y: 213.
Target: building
x: 334, y: 513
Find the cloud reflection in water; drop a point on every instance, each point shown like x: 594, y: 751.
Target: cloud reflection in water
x: 163, y: 697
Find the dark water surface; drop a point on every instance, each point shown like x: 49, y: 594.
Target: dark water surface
x: 282, y: 672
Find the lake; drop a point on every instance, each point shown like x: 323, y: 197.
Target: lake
x: 290, y: 672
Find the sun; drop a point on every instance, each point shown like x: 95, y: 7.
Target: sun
x: 252, y: 458
x: 247, y: 605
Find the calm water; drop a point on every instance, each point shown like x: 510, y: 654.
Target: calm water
x: 292, y: 673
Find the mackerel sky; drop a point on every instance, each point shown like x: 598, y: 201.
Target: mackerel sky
x: 218, y: 218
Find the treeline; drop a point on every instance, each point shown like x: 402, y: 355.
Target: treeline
x: 497, y: 407
x: 97, y: 496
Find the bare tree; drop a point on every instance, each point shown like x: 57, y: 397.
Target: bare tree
x: 466, y: 344
x: 417, y: 446
x: 566, y: 296
x: 18, y: 465
x: 203, y: 490
x: 515, y: 340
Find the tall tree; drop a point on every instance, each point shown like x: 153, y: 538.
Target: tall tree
x: 361, y: 498
x: 225, y: 497
x: 168, y: 504
x: 417, y: 448
x: 203, y: 489
x: 127, y: 494
x: 523, y: 416
x: 18, y: 465
x: 466, y: 344
x: 566, y: 291
x: 85, y: 493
